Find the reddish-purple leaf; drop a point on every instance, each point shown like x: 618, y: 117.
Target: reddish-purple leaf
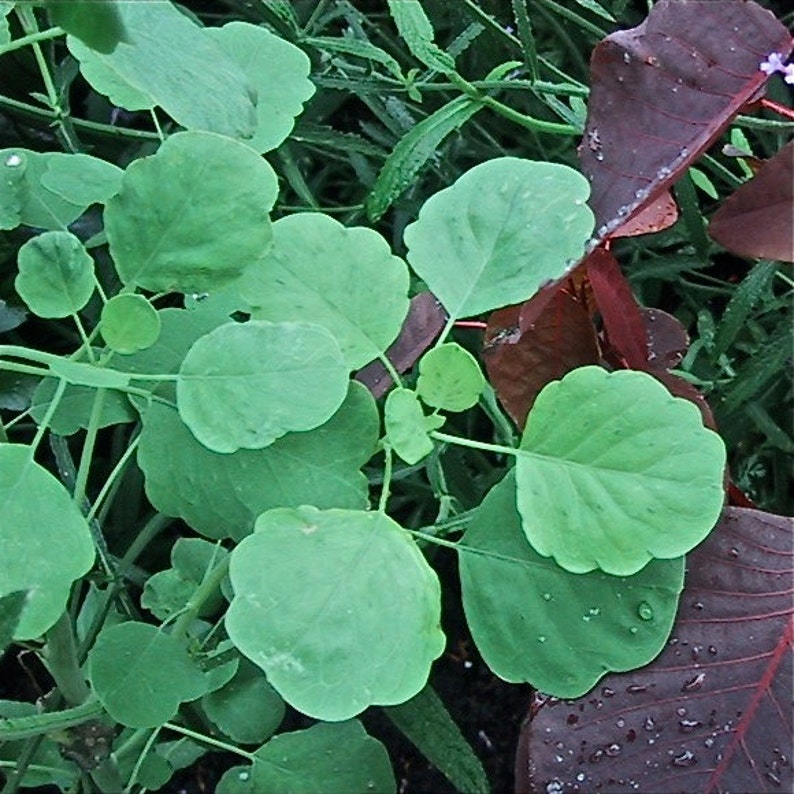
x: 664, y: 91
x: 660, y: 214
x: 757, y: 220
x: 623, y: 322
x: 422, y: 325
x: 713, y: 712
x: 666, y: 339
x: 527, y: 346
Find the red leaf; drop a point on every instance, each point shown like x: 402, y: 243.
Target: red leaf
x: 623, y: 322
x: 527, y: 346
x: 667, y: 340
x: 664, y: 91
x: 660, y: 214
x: 422, y: 325
x: 713, y: 712
x: 757, y: 220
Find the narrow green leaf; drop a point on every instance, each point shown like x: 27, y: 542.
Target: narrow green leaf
x: 97, y: 23
x: 417, y: 32
x: 426, y: 722
x: 360, y: 48
x: 524, y: 25
x: 413, y: 150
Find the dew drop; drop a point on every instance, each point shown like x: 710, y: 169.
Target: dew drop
x: 694, y: 683
x: 634, y: 689
x: 626, y: 58
x: 599, y: 156
x: 580, y: 777
x: 633, y: 629
x: 712, y: 650
x: 594, y: 611
x: 681, y: 711
x: 687, y: 758
x: 621, y: 723
x: 244, y: 775
x: 645, y: 611
x: 709, y: 742
x: 698, y: 605
x: 547, y: 596
x: 649, y: 724
x: 687, y: 726
x: 542, y: 638
x: 613, y: 750
x: 607, y: 692
x: 734, y: 553
x: 13, y: 160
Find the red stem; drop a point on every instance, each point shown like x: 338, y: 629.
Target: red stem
x: 787, y: 113
x: 471, y: 324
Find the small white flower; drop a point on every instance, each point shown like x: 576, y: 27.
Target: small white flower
x: 789, y: 74
x: 773, y: 63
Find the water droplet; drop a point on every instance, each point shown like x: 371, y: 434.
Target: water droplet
x: 649, y: 724
x: 13, y: 160
x: 734, y: 553
x: 596, y: 756
x: 694, y: 683
x: 709, y: 742
x: 681, y: 711
x: 773, y: 778
x: 687, y: 726
x: 599, y: 156
x: 712, y: 650
x: 626, y: 58
x: 542, y: 638
x: 555, y: 786
x: 580, y: 777
x: 621, y: 723
x: 607, y: 692
x: 594, y: 611
x: 613, y: 750
x: 645, y: 611
x: 633, y: 629
x: 244, y: 775
x: 698, y: 605
x: 687, y: 758
x: 634, y: 689
x: 547, y: 596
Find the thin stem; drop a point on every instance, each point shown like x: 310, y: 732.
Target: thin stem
x: 387, y: 475
x: 206, y: 590
x: 60, y: 658
x: 47, y: 418
x: 141, y: 758
x: 450, y: 324
x: 208, y: 740
x: 786, y: 112
x: 497, y: 449
x: 32, y: 38
x: 572, y: 16
x: 84, y: 337
x: 156, y: 123
x: 389, y: 367
x: 16, y: 728
x: 87, y: 453
x: 108, y: 484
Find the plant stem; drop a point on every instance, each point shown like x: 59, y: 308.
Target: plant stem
x: 16, y: 728
x: 47, y: 418
x: 497, y: 449
x: 32, y: 38
x: 87, y: 454
x: 200, y: 737
x: 387, y: 474
x: 203, y: 592
x: 60, y: 658
x: 108, y: 484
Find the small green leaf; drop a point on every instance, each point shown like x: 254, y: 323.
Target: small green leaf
x: 417, y: 32
x: 56, y: 275
x: 129, y: 323
x: 413, y: 150
x: 500, y: 232
x: 360, y: 48
x: 279, y: 73
x: 141, y: 675
x: 221, y: 495
x: 407, y: 426
x: 449, y: 378
x: 141, y: 73
x: 44, y: 534
x: 614, y: 471
x: 427, y: 723
x: 363, y: 626
x: 163, y: 226
x: 534, y: 622
x: 247, y: 709
x: 701, y: 180
x: 328, y: 758
x: 345, y: 279
x: 242, y: 386
x: 97, y: 24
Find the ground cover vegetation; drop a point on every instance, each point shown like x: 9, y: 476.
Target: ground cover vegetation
x: 324, y: 322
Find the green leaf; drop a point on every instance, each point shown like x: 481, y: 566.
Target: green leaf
x: 345, y: 279
x: 413, y: 150
x: 11, y: 606
x: 533, y: 621
x: 427, y: 723
x: 614, y: 471
x: 97, y: 24
x: 407, y: 426
x: 500, y: 232
x: 44, y: 534
x: 336, y: 758
x: 12, y: 174
x: 166, y: 592
x: 449, y: 378
x: 348, y: 615
x: 75, y: 406
x: 247, y: 709
x: 129, y: 323
x: 221, y: 495
x: 242, y: 386
x: 79, y: 373
x: 56, y: 275
x: 159, y: 767
x: 192, y: 78
x: 279, y: 73
x: 164, y: 226
x: 141, y: 675
x: 417, y: 32
x: 79, y: 178
x: 360, y: 48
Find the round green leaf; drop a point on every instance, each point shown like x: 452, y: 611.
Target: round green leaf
x: 192, y: 216
x: 328, y: 758
x: 56, y: 275
x: 129, y: 323
x: 449, y: 378
x: 348, y: 615
x: 535, y: 622
x: 499, y: 233
x: 247, y: 709
x: 614, y: 471
x: 45, y: 542
x: 344, y: 279
x: 279, y: 73
x: 407, y: 426
x: 141, y: 674
x: 245, y: 385
x: 220, y: 495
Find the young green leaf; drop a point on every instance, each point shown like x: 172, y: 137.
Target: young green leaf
x: 345, y: 279
x: 192, y: 79
x: 614, y: 471
x: 129, y: 323
x: 417, y: 32
x: 499, y: 233
x: 360, y: 48
x: 242, y: 386
x: 221, y: 495
x: 141, y: 674
x: 97, y: 24
x: 56, y: 274
x: 407, y: 426
x: 45, y: 536
x: 449, y: 378
x: 163, y: 226
x: 247, y: 709
x: 534, y: 621
x: 328, y: 758
x: 348, y: 615
x: 279, y: 73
